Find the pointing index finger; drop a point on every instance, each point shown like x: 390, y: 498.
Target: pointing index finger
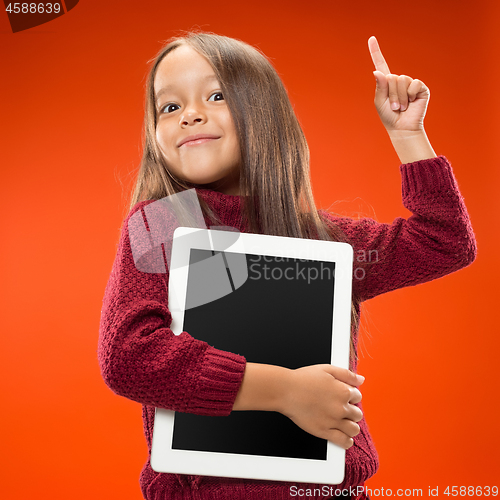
x: 377, y: 57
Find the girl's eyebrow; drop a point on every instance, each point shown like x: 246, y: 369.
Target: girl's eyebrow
x: 167, y: 88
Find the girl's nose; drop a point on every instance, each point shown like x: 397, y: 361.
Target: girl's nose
x: 191, y: 116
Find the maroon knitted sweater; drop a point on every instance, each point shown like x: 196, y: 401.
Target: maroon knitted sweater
x: 141, y: 359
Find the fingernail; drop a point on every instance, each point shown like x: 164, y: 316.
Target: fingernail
x: 394, y: 106
x: 402, y: 107
x: 361, y: 378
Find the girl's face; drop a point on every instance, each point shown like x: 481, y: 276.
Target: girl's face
x: 195, y: 130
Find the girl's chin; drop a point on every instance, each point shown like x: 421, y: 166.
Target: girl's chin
x: 202, y: 184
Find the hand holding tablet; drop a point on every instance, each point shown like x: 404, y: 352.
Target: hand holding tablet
x: 321, y: 402
x: 319, y: 399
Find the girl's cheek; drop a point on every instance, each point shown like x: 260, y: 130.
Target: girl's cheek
x: 160, y: 138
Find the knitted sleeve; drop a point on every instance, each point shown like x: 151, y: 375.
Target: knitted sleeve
x: 142, y: 359
x: 436, y: 240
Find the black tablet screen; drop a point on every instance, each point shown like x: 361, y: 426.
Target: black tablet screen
x: 281, y: 313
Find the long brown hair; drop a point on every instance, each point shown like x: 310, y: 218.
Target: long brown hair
x: 274, y: 151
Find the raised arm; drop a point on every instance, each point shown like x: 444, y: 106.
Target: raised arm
x: 401, y: 103
x: 436, y: 240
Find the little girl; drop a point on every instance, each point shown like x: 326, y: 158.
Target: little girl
x: 219, y: 120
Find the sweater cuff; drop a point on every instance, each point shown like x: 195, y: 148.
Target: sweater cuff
x: 431, y: 175
x: 219, y: 383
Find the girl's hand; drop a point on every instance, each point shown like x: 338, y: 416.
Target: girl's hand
x: 320, y: 400
x: 401, y: 101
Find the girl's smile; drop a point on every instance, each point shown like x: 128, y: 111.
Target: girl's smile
x: 195, y: 130
x: 194, y: 140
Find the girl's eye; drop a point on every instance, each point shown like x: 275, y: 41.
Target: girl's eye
x: 170, y: 108
x: 217, y: 96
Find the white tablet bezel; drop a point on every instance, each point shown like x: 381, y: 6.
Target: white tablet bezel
x: 166, y: 459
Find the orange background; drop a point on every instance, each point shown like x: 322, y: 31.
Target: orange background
x: 72, y: 103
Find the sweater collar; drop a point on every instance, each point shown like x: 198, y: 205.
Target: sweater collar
x: 228, y: 207
x: 220, y: 201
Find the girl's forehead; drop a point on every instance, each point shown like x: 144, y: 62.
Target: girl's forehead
x: 181, y: 66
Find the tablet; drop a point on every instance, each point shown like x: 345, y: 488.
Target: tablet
x: 274, y: 300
